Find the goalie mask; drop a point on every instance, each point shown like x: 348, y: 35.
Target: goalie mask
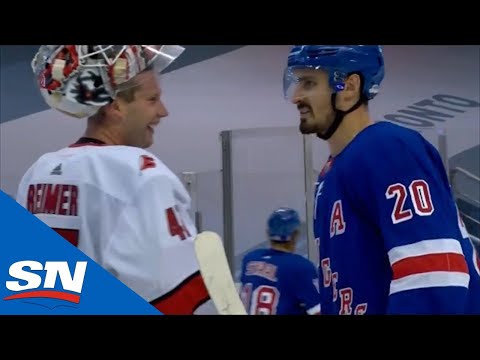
x: 79, y: 79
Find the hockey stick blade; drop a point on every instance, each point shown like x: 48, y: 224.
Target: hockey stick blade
x: 216, y: 274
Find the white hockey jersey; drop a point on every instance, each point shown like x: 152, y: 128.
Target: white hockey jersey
x: 127, y: 211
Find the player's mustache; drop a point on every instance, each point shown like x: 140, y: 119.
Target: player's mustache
x: 302, y: 105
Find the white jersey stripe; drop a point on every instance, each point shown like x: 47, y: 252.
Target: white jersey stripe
x: 430, y: 279
x: 424, y: 247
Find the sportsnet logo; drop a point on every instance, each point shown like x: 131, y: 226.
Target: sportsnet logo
x: 42, y: 274
x: 33, y: 282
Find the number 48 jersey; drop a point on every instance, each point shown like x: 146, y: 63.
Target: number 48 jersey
x: 127, y: 211
x: 389, y: 232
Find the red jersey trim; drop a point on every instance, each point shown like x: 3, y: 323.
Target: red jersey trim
x: 185, y: 298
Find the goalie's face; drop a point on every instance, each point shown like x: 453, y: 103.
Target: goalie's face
x: 311, y: 94
x: 140, y: 116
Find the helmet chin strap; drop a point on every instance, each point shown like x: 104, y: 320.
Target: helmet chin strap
x: 339, y: 115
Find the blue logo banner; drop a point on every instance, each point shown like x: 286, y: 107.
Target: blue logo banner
x: 43, y: 274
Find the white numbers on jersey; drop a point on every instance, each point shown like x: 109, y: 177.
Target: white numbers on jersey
x: 263, y: 300
x: 419, y: 192
x: 345, y: 294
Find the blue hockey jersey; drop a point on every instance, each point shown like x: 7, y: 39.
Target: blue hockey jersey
x: 391, y: 239
x: 275, y: 282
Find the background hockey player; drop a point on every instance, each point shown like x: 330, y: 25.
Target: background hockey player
x: 275, y: 281
x: 106, y: 194
x: 385, y: 217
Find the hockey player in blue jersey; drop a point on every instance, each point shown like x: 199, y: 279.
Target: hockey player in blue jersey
x: 391, y: 238
x: 275, y: 281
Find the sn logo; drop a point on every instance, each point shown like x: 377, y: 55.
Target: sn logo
x: 31, y: 285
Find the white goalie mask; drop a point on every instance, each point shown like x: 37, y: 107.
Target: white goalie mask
x: 79, y: 79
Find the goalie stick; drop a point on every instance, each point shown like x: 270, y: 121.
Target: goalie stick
x: 216, y: 274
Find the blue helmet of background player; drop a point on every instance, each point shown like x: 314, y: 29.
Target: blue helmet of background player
x: 282, y: 224
x: 338, y: 61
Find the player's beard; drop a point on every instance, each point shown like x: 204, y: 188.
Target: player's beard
x: 311, y: 125
x: 307, y: 128
x: 307, y: 121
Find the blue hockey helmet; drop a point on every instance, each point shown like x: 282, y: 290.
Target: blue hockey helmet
x: 338, y: 61
x: 282, y: 223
